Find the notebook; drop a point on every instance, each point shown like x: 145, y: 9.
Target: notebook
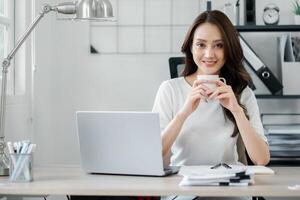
x: 127, y: 143
x: 206, y: 175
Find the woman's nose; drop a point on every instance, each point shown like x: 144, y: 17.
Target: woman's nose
x: 209, y: 52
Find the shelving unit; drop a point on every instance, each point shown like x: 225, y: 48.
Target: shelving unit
x: 268, y: 28
x: 280, y: 154
x: 271, y: 28
x: 269, y: 96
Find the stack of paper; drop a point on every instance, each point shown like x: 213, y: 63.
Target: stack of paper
x: 238, y: 175
x: 284, y: 141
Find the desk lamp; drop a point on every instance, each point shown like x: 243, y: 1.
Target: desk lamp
x: 98, y: 10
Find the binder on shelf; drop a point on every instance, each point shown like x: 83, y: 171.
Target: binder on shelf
x: 260, y: 69
x: 256, y: 84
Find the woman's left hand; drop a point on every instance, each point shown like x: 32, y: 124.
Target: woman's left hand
x: 225, y: 95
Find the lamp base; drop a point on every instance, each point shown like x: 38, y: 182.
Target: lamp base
x: 4, y: 171
x: 4, y: 163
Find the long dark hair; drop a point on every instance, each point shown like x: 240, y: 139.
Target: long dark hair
x: 233, y: 70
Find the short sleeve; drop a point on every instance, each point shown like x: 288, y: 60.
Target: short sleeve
x: 248, y: 99
x: 163, y: 104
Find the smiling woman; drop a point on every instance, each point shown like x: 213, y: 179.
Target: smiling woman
x: 200, y: 125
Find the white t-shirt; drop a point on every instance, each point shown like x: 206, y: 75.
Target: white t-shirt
x: 205, y: 137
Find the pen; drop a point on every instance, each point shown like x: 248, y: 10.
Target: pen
x: 11, y: 151
x: 10, y: 148
x: 233, y: 184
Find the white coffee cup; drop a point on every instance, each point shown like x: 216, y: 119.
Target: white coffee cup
x: 211, y: 86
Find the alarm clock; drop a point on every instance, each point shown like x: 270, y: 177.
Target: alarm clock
x: 271, y: 14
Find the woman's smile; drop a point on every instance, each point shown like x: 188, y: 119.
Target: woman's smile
x: 209, y: 63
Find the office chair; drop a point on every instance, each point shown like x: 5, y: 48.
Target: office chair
x: 176, y: 65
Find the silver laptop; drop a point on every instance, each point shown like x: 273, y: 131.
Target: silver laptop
x: 126, y: 143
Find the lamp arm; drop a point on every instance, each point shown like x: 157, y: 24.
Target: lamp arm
x: 45, y: 9
x: 6, y: 63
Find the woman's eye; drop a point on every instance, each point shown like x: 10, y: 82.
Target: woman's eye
x: 220, y: 45
x: 201, y: 45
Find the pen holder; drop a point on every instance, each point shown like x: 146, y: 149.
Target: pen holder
x: 21, y: 168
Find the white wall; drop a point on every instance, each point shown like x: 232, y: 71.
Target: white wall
x: 68, y: 78
x: 18, y: 110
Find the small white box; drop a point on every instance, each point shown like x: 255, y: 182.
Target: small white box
x: 289, y: 68
x: 290, y: 78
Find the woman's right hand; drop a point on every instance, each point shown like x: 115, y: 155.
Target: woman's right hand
x: 199, y: 91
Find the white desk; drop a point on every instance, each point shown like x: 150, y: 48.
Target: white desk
x: 72, y: 181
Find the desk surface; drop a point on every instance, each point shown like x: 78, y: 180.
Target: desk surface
x: 72, y: 181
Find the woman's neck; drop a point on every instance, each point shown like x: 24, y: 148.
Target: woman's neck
x: 191, y: 78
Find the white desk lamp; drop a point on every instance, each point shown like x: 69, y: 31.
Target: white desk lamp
x: 99, y: 10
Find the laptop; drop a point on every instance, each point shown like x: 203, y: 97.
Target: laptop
x: 126, y: 143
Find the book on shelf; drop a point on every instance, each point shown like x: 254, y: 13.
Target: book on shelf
x: 259, y: 67
x: 285, y: 154
x: 280, y: 119
x: 284, y: 143
x: 282, y: 129
x: 285, y: 147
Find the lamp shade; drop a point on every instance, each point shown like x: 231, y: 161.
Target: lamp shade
x: 94, y: 10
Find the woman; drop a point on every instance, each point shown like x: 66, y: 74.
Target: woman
x: 201, y: 125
